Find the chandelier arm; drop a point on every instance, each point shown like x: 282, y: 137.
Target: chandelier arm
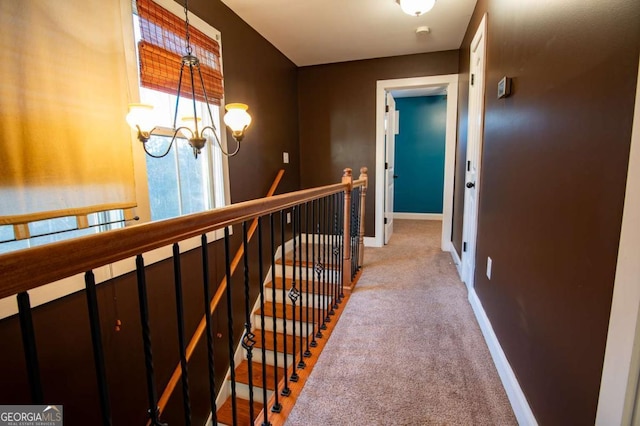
x: 150, y: 154
x: 193, y: 95
x: 175, y: 115
x: 228, y: 154
x: 206, y: 98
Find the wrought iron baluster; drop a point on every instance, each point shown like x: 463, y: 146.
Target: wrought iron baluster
x: 320, y: 269
x: 262, y: 324
x: 301, y: 363
x: 331, y: 223
x: 277, y: 407
x: 98, y: 352
x: 357, y: 238
x: 293, y: 296
x: 316, y: 301
x: 327, y: 259
x: 353, y: 231
x: 248, y: 339
x: 30, y: 349
x: 285, y: 390
x: 152, y: 393
x: 308, y: 264
x: 336, y: 252
x: 177, y: 280
x: 232, y: 364
x: 207, y: 314
x: 341, y: 243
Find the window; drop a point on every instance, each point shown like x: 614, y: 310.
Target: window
x: 179, y: 183
x: 58, y: 229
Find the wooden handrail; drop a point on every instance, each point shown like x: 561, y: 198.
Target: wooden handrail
x: 197, y: 335
x: 26, y: 269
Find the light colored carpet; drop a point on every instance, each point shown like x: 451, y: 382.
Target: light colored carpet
x: 407, y: 349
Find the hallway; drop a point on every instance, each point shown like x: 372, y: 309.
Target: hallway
x: 407, y: 349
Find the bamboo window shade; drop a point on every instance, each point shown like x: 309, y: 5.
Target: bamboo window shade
x: 161, y: 48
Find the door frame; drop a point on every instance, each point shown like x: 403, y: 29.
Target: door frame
x: 390, y: 133
x: 619, y: 393
x: 383, y: 86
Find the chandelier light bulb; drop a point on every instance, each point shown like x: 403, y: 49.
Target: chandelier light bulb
x: 237, y: 119
x: 190, y: 123
x: 140, y: 117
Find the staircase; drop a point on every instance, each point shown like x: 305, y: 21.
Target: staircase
x: 273, y: 327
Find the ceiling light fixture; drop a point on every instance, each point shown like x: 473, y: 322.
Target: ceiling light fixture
x: 416, y: 7
x: 237, y: 118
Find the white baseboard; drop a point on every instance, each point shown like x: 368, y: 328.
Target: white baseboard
x: 456, y: 259
x: 418, y: 216
x: 371, y: 242
x: 518, y: 401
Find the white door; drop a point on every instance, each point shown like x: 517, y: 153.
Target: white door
x: 474, y: 151
x: 390, y: 148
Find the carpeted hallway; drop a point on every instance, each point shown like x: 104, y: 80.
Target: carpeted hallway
x: 407, y: 349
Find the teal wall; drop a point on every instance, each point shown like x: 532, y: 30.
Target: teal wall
x: 419, y: 156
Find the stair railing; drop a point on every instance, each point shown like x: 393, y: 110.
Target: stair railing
x: 332, y: 218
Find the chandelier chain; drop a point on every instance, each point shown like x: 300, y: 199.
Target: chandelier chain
x: 186, y: 26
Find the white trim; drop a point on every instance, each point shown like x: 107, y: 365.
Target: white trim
x: 371, y: 242
x: 516, y: 396
x: 618, y: 388
x: 418, y: 216
x: 456, y: 259
x: 382, y: 86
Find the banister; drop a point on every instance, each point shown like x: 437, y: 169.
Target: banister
x: 26, y: 269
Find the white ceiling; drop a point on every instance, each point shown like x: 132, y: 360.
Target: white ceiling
x: 311, y: 32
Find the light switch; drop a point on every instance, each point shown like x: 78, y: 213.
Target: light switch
x: 285, y: 157
x: 489, y: 265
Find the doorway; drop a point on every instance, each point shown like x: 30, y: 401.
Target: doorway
x: 450, y: 82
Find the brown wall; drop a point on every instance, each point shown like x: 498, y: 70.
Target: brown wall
x: 255, y: 73
x: 552, y: 188
x: 338, y: 115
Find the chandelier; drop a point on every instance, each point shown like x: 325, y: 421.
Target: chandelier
x: 140, y: 116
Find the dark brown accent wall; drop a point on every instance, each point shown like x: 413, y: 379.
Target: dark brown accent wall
x: 554, y: 168
x: 337, y: 110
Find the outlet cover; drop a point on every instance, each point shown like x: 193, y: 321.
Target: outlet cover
x: 288, y: 217
x: 285, y: 157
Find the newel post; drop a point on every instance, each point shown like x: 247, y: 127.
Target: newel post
x: 347, y: 178
x: 363, y: 196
